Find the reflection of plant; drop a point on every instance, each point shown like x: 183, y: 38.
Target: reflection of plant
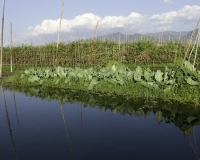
x: 184, y: 116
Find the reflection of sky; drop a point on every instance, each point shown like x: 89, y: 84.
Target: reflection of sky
x: 103, y: 135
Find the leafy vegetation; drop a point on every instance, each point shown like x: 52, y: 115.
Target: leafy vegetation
x: 116, y: 75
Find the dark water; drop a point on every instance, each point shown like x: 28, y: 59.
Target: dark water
x: 77, y: 125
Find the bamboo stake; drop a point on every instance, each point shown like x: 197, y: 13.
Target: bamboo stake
x: 95, y: 30
x: 190, y: 41
x: 11, y: 66
x: 58, y: 41
x: 192, y: 48
x: 196, y: 47
x: 2, y: 29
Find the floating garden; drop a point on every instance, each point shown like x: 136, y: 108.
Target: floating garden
x: 180, y: 84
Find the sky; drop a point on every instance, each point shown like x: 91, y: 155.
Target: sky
x: 37, y: 21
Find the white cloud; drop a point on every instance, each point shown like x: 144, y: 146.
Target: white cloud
x: 187, y: 15
x: 168, y: 1
x: 165, y: 18
x: 190, y: 13
x: 88, y: 21
x: 134, y: 22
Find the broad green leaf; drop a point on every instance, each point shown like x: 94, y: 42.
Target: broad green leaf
x: 114, y: 68
x: 121, y: 82
x: 167, y: 89
x: 92, y: 84
x: 170, y: 82
x: 147, y: 75
x: 113, y: 81
x: 158, y: 76
x: 57, y: 81
x: 33, y: 79
x: 139, y: 70
x: 191, y: 82
x: 137, y: 77
x: 27, y: 71
x: 129, y: 75
x: 189, y: 66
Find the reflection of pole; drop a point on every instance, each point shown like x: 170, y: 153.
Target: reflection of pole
x: 67, y: 133
x: 15, y: 105
x: 80, y: 115
x: 195, y: 142
x: 194, y: 151
x: 9, y: 126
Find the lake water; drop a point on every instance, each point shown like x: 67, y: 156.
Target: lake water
x: 40, y: 124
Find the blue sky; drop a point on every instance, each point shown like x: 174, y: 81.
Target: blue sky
x: 32, y: 19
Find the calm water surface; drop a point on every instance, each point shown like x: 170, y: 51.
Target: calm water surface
x: 83, y: 127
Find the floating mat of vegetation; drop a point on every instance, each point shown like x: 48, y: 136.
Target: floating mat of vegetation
x: 119, y: 80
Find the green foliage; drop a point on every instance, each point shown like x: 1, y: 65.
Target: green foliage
x: 115, y: 75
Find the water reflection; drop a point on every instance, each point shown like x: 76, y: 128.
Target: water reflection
x: 15, y: 106
x: 9, y: 124
x: 67, y: 132
x: 184, y: 116
x: 191, y: 145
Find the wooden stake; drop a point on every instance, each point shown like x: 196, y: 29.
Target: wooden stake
x: 58, y: 41
x: 2, y: 29
x: 11, y: 67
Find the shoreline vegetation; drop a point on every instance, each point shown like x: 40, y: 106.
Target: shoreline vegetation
x: 180, y: 84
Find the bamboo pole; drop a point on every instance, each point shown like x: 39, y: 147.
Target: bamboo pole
x: 2, y: 29
x: 190, y: 41
x: 95, y: 30
x: 196, y: 48
x: 11, y: 65
x: 58, y: 41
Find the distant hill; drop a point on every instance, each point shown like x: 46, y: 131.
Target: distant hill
x: 182, y: 36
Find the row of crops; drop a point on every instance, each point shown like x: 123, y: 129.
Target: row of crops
x: 93, y: 53
x: 90, y: 77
